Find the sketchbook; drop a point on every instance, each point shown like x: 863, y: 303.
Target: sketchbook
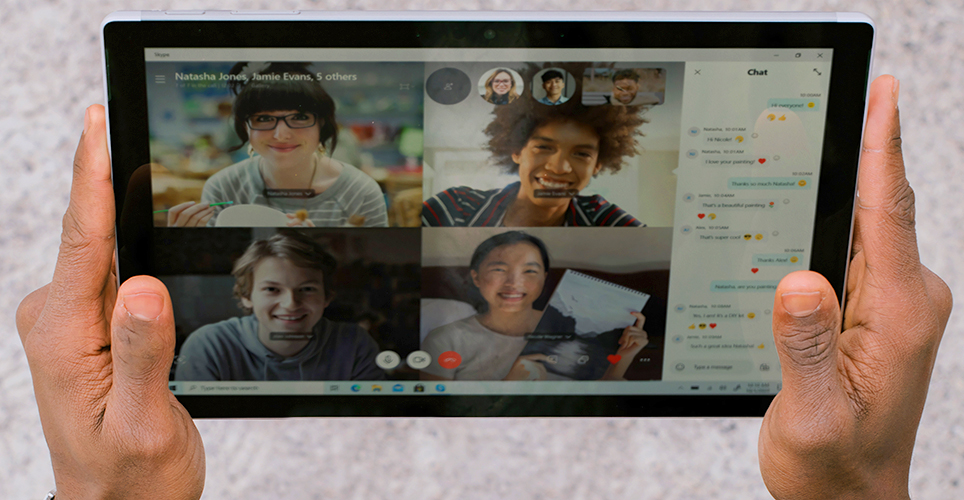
x: 582, y: 323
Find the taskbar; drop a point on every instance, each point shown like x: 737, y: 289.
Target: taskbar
x: 474, y: 388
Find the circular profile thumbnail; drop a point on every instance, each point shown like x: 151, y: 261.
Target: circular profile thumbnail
x: 553, y: 86
x: 501, y: 86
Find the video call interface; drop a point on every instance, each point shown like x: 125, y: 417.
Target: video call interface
x: 481, y: 222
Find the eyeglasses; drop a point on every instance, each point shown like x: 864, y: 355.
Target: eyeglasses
x: 269, y: 122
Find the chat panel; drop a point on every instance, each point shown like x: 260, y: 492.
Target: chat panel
x: 514, y: 144
x: 540, y: 304
x: 749, y: 165
x: 276, y: 144
x: 293, y: 304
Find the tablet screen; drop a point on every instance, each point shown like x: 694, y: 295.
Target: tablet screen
x: 438, y: 222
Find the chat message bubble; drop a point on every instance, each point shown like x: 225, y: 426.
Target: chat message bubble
x: 769, y: 182
x: 710, y: 320
x: 811, y: 104
x: 743, y: 286
x: 731, y: 236
x: 777, y: 259
x: 720, y: 345
x: 738, y: 205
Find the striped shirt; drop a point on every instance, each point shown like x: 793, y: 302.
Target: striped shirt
x: 353, y: 193
x: 464, y: 206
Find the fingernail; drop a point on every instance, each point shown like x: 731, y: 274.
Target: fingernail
x: 145, y: 306
x: 86, y: 120
x: 801, y: 304
x: 895, y: 92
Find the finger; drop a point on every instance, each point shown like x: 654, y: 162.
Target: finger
x: 142, y: 345
x: 87, y: 243
x: 806, y: 323
x: 201, y: 215
x: 535, y: 357
x: 175, y: 212
x: 640, y: 319
x: 188, y: 213
x: 30, y: 309
x: 885, y: 215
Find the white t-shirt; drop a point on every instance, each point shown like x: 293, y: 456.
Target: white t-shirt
x: 486, y: 355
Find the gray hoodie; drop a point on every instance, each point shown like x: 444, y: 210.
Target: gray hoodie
x: 230, y: 350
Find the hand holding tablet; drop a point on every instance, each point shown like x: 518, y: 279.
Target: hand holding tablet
x: 845, y: 422
x: 100, y: 357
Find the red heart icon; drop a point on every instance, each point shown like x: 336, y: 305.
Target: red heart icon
x: 762, y: 161
x: 613, y: 358
x: 701, y: 215
x: 755, y: 269
x: 712, y: 325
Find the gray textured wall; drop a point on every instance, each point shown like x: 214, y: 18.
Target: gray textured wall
x: 51, y: 70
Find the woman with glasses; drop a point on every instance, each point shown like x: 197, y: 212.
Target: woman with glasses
x: 500, y: 87
x: 287, y: 120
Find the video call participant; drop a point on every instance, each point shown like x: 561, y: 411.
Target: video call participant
x: 284, y: 284
x: 509, y: 270
x: 626, y: 90
x: 556, y: 151
x: 287, y: 124
x: 500, y: 87
x: 554, y: 83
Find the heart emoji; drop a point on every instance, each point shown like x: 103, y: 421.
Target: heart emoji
x: 613, y: 358
x: 692, y: 327
x: 754, y: 270
x: 762, y: 160
x: 702, y: 326
x: 794, y: 259
x: 747, y: 237
x: 712, y: 216
x: 750, y: 315
x: 712, y: 325
x: 701, y: 215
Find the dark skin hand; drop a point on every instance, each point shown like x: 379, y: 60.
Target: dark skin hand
x: 844, y: 424
x: 100, y: 357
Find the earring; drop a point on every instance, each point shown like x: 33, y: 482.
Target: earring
x: 250, y: 150
x: 321, y: 148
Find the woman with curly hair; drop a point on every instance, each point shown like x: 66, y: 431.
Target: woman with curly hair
x: 500, y: 87
x: 556, y: 151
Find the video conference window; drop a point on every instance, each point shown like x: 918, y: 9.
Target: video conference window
x: 293, y: 305
x: 261, y: 144
x: 539, y: 304
x: 529, y: 164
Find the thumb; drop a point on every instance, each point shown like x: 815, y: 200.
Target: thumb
x: 806, y: 324
x: 142, y: 344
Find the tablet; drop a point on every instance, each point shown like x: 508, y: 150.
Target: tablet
x: 481, y: 214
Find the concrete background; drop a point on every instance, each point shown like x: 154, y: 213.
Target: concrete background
x: 51, y: 70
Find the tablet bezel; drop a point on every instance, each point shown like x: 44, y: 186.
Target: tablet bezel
x: 125, y: 36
